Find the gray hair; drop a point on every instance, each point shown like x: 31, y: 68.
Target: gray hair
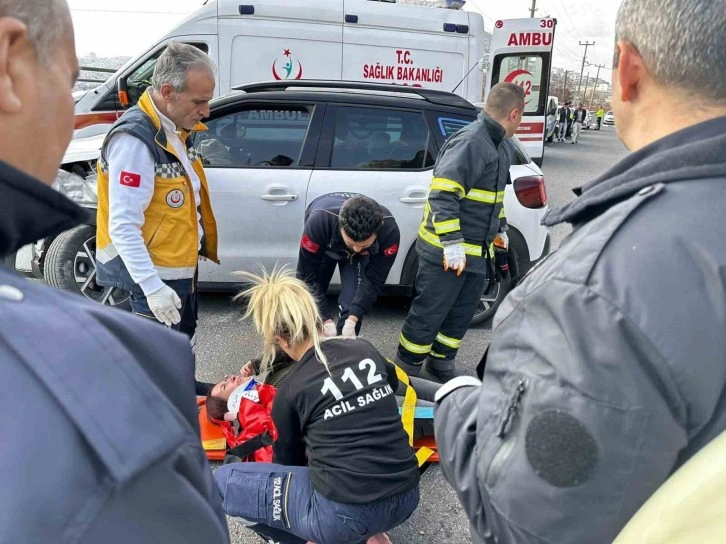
x: 682, y: 43
x: 176, y: 62
x: 503, y: 98
x: 47, y: 21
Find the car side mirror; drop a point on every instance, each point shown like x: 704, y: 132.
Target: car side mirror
x: 123, y: 95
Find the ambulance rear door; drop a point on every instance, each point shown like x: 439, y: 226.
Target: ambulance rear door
x: 411, y: 45
x: 521, y: 53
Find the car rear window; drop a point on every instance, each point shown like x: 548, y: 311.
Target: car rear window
x: 451, y: 125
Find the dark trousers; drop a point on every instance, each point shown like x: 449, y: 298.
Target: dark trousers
x: 186, y: 289
x: 279, y: 502
x: 440, y: 314
x: 351, y: 276
x: 599, y: 122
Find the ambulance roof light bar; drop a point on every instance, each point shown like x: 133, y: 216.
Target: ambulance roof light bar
x: 430, y: 95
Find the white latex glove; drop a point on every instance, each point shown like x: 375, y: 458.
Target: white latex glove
x: 501, y: 241
x: 349, y: 329
x: 455, y: 258
x: 329, y: 329
x: 164, y: 303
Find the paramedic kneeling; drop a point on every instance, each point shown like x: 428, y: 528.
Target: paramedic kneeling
x: 343, y: 469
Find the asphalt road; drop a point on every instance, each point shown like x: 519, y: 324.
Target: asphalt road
x: 225, y: 342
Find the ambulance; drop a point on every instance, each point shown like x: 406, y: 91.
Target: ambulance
x: 356, y: 40
x: 521, y: 53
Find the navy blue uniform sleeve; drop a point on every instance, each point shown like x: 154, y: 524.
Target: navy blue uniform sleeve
x: 376, y: 272
x: 315, y: 237
x: 457, y: 170
x: 289, y: 448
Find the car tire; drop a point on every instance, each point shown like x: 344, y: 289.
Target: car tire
x: 70, y: 264
x: 489, y: 302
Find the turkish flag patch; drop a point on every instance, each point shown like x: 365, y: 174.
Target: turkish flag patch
x: 129, y: 179
x: 308, y: 245
x: 391, y: 250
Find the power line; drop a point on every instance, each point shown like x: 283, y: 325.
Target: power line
x: 572, y: 25
x: 582, y: 69
x: 592, y: 96
x: 482, y: 13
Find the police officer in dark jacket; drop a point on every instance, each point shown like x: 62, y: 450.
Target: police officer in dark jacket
x: 359, y: 236
x: 462, y: 216
x: 595, y: 389
x: 99, y: 432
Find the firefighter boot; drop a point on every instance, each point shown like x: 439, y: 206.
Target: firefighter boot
x: 410, y: 369
x: 442, y: 369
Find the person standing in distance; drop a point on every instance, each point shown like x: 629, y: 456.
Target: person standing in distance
x: 462, y: 217
x: 360, y: 237
x: 594, y: 391
x: 154, y: 215
x: 81, y: 460
x: 578, y: 119
x: 600, y: 115
x: 563, y: 122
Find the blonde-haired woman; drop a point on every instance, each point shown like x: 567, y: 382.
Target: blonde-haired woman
x: 343, y: 469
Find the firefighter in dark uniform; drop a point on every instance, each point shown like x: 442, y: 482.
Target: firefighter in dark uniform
x: 460, y: 221
x: 359, y: 236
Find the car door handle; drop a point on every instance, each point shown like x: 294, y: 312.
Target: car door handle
x: 413, y: 199
x: 278, y: 198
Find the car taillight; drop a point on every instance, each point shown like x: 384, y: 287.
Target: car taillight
x: 530, y: 191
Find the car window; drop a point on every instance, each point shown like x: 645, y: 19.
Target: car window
x: 517, y: 153
x: 138, y: 80
x: 451, y: 125
x: 255, y: 137
x: 528, y: 71
x: 381, y: 138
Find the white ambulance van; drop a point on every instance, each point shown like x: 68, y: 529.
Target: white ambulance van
x: 260, y: 40
x: 521, y: 53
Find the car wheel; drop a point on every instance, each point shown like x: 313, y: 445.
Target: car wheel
x: 489, y: 302
x: 70, y: 264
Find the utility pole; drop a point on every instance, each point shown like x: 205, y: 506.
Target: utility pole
x: 597, y: 78
x: 584, y: 93
x: 564, y: 88
x: 582, y: 69
x: 533, y: 9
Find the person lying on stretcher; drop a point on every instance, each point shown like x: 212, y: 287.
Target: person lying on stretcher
x: 343, y: 468
x: 218, y: 407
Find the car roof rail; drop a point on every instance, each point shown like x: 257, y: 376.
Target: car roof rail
x: 430, y: 95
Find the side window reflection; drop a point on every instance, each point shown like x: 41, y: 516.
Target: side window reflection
x: 255, y: 138
x: 378, y: 138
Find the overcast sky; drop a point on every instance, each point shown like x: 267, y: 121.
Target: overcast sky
x: 126, y: 28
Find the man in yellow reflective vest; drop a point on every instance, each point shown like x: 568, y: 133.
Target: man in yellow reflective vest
x: 154, y: 216
x: 461, y: 219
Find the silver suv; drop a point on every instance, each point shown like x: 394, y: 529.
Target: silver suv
x: 273, y: 147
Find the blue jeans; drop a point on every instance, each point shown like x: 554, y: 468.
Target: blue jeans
x: 279, y: 502
x: 186, y: 289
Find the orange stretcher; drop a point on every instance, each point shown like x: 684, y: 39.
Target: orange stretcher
x: 215, y: 446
